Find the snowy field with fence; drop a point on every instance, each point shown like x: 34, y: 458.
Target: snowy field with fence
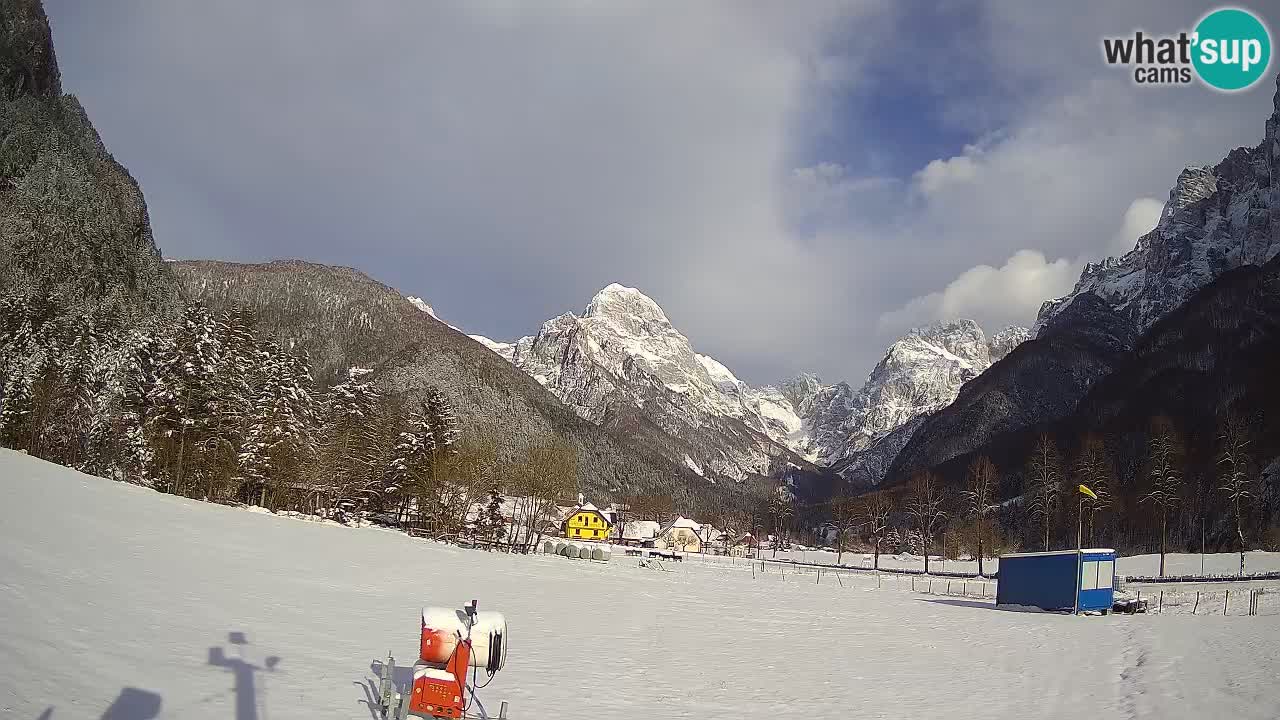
x: 116, y: 596
x: 1138, y: 565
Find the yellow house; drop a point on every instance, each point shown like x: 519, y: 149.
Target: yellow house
x: 586, y: 522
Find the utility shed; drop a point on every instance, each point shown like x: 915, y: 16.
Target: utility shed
x: 1048, y: 580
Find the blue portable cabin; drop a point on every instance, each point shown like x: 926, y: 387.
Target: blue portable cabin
x: 1048, y: 579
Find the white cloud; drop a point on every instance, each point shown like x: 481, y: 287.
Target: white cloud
x: 1139, y: 219
x: 939, y: 174
x: 995, y: 297
x: 506, y: 162
x: 827, y: 190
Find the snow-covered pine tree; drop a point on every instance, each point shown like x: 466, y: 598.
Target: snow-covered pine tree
x: 231, y: 404
x: 915, y: 542
x: 412, y: 471
x: 490, y: 525
x: 185, y: 402
x: 347, y: 447
x: 893, y: 542
x: 279, y: 442
x: 143, y: 382
x: 442, y: 420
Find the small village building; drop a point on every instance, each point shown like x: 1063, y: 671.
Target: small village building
x: 639, y: 533
x: 745, y: 546
x: 586, y: 522
x: 680, y: 534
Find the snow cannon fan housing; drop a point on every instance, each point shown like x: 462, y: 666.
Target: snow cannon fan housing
x: 444, y: 628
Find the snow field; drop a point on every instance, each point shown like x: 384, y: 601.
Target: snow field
x: 106, y: 587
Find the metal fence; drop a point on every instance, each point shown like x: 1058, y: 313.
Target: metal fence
x: 1229, y: 602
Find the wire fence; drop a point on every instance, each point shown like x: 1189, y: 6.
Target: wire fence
x: 859, y: 578
x: 1238, y: 601
x: 1226, y: 602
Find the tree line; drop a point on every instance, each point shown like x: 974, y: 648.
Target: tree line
x: 204, y: 405
x: 1160, y: 501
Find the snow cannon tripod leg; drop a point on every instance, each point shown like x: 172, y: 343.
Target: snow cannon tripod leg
x: 386, y: 686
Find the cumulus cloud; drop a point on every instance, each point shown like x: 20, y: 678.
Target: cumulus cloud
x: 939, y: 174
x: 1139, y: 219
x: 736, y: 161
x: 995, y: 297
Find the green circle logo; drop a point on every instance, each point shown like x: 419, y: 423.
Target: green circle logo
x: 1232, y: 49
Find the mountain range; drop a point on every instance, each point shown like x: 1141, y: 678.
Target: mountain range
x: 623, y: 352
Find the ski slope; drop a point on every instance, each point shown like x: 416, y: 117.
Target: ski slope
x: 120, y: 602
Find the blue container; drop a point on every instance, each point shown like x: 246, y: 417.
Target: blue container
x: 1048, y: 580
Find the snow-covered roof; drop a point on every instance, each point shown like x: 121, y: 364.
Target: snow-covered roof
x: 710, y: 533
x: 586, y: 507
x: 681, y: 522
x: 640, y: 530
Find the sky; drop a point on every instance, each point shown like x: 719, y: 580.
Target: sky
x: 796, y: 184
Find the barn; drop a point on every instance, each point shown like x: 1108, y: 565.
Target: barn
x: 1048, y: 580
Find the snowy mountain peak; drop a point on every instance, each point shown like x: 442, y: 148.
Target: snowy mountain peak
x: 921, y: 373
x: 421, y: 305
x: 623, y: 355
x: 621, y: 302
x: 1005, y: 340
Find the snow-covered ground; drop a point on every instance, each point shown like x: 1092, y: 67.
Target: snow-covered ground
x: 111, y: 594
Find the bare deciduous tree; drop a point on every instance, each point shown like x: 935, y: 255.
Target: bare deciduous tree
x: 844, y: 520
x: 874, y: 514
x: 780, y: 509
x: 1238, y: 481
x: 980, y: 488
x: 1093, y: 468
x: 1044, y: 482
x: 1164, y: 471
x: 925, y: 506
x: 548, y: 474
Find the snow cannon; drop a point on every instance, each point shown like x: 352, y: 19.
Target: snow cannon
x: 452, y: 642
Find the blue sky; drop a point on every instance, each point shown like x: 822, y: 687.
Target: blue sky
x: 796, y: 185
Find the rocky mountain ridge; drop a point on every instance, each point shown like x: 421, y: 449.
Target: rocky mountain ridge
x: 1217, y: 219
x: 624, y: 351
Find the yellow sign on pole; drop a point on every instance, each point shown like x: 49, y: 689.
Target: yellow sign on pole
x: 1085, y: 489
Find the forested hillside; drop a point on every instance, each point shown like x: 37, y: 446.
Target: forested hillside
x: 291, y: 385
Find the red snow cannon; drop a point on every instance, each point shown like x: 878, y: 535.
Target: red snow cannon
x: 452, y: 642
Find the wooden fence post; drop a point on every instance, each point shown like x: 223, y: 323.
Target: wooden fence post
x: 1160, y: 604
x: 1193, y: 607
x: 1226, y: 599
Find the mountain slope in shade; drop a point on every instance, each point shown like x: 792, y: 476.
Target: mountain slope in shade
x: 1216, y: 219
x: 73, y: 222
x: 341, y: 318
x: 1041, y: 379
x: 1211, y: 356
x: 920, y: 374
